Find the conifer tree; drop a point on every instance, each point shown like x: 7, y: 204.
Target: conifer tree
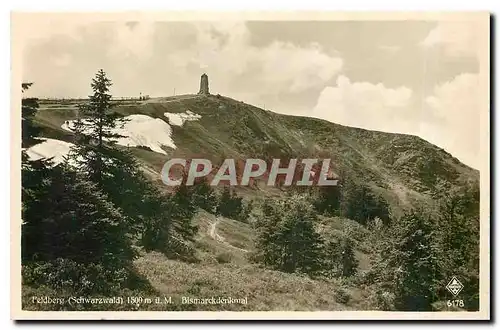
x: 246, y: 211
x: 359, y: 203
x: 236, y: 204
x: 184, y: 212
x: 113, y: 169
x: 224, y: 205
x: 204, y: 196
x: 287, y: 240
x: 412, y: 263
x: 348, y: 259
x: 459, y: 239
x: 77, y: 223
x: 35, y: 179
x: 328, y: 200
x: 29, y: 109
x: 95, y: 131
x: 340, y: 259
x: 127, y: 188
x: 157, y: 223
x: 230, y: 204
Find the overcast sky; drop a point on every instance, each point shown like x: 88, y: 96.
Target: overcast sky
x: 415, y: 77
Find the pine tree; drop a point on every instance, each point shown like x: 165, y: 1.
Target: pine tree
x: 157, y: 224
x: 28, y: 111
x: 204, y: 196
x: 95, y: 131
x: 127, y: 188
x: 70, y: 228
x: 361, y: 204
x: 73, y: 239
x: 36, y: 179
x: 184, y: 212
x: 287, y: 240
x: 268, y: 207
x: 303, y: 243
x: 224, y: 205
x: 230, y: 204
x: 413, y: 262
x: 459, y: 239
x: 246, y: 212
x: 236, y: 204
x: 167, y: 221
x: 115, y: 171
x: 339, y: 258
x: 348, y: 259
x: 459, y: 214
x: 77, y: 223
x: 328, y: 200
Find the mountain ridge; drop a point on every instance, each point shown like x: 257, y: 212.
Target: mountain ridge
x: 401, y: 167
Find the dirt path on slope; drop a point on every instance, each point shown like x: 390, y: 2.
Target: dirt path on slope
x: 149, y: 171
x: 212, y: 231
x: 396, y: 185
x: 171, y: 99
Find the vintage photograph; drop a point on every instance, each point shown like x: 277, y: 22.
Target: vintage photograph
x: 336, y: 165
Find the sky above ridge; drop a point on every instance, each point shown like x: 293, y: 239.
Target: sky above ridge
x: 414, y: 77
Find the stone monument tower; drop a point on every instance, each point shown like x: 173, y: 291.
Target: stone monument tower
x: 204, y: 85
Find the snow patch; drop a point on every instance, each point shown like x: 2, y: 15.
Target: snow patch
x: 49, y: 148
x: 140, y: 130
x: 178, y: 119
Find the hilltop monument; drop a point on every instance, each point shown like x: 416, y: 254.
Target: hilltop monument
x: 204, y: 85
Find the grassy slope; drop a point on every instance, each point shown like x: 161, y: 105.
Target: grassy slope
x: 235, y: 277
x: 265, y: 289
x: 402, y: 168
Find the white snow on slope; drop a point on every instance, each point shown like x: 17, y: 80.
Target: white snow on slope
x: 141, y: 130
x: 178, y: 119
x: 49, y: 148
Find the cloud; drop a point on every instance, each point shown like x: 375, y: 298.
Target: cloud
x: 365, y: 105
x: 448, y: 117
x: 132, y: 39
x: 390, y: 48
x: 62, y: 60
x: 225, y: 51
x: 156, y: 57
x: 458, y: 38
x: 455, y: 104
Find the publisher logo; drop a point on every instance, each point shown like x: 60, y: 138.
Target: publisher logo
x: 454, y: 286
